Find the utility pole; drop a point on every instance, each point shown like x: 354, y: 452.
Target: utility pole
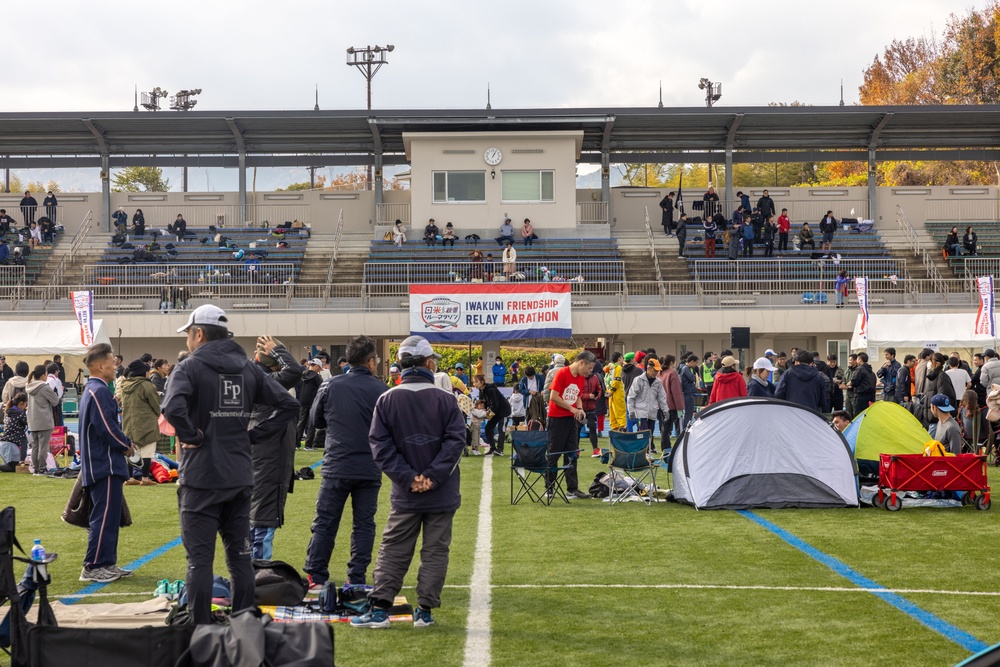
x: 369, y: 61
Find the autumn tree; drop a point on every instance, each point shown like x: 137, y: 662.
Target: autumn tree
x: 139, y: 179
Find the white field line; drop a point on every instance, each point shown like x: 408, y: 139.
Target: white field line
x: 477, y: 638
x: 817, y: 589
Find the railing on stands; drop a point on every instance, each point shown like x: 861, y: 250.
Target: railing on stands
x: 678, y: 295
x: 756, y: 274
x: 388, y: 214
x: 982, y: 266
x: 338, y: 235
x: 573, y: 271
x: 59, y: 273
x: 962, y: 210
x: 652, y: 251
x: 910, y: 234
x: 810, y: 211
x: 159, y: 275
x: 158, y: 216
x: 12, y: 284
x: 592, y: 213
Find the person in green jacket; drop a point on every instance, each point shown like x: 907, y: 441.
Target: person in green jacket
x: 140, y: 415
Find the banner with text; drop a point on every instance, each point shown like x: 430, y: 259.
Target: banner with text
x: 490, y: 311
x: 985, y: 323
x: 861, y: 287
x: 83, y: 304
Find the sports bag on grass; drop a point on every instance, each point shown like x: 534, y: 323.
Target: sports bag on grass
x: 251, y: 642
x: 278, y: 584
x: 102, y: 647
x: 79, y: 505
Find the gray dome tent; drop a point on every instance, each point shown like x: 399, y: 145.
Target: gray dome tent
x: 761, y: 452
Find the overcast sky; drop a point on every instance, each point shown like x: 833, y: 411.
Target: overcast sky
x: 257, y: 54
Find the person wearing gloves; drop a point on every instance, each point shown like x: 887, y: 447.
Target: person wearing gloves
x: 273, y: 457
x: 728, y: 382
x: 759, y: 383
x: 417, y: 438
x: 646, y: 397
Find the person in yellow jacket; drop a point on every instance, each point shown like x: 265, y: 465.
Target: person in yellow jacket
x: 616, y: 392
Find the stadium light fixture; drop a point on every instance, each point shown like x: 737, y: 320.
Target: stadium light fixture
x: 369, y: 61
x: 713, y: 90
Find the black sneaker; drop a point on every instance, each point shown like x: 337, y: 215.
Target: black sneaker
x: 578, y: 494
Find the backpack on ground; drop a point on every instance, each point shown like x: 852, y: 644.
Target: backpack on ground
x: 278, y: 584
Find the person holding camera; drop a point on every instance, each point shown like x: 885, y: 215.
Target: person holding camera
x: 566, y: 413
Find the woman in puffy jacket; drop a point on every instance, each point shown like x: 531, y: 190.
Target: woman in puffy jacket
x: 728, y: 382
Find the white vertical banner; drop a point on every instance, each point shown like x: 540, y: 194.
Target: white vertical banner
x: 861, y: 287
x: 985, y: 323
x: 83, y: 305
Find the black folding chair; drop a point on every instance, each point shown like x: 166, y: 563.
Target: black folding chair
x: 14, y: 627
x: 529, y: 465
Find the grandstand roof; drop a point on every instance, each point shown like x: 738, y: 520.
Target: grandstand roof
x: 277, y: 138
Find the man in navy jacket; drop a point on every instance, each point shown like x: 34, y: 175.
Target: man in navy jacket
x: 803, y: 385
x: 103, y: 468
x: 417, y: 438
x: 344, y: 409
x: 209, y: 403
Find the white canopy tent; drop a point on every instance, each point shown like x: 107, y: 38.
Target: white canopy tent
x: 34, y: 342
x: 919, y: 330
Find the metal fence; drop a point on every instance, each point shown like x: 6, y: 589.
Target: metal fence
x: 982, y: 266
x: 405, y: 273
x: 791, y: 274
x: 388, y: 214
x: 628, y: 295
x: 11, y: 275
x: 592, y: 213
x: 159, y: 216
x: 273, y: 273
x: 980, y: 209
x: 798, y: 211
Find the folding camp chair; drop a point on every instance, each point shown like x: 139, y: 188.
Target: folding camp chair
x: 631, y: 471
x: 529, y: 465
x: 14, y: 626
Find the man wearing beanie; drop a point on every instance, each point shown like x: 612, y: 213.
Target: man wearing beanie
x: 140, y: 414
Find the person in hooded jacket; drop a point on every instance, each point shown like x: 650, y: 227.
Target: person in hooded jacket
x: 647, y: 398
x: 140, y: 415
x: 273, y: 458
x: 558, y: 361
x: 936, y: 382
x: 671, y: 382
x: 209, y: 403
x: 311, y: 382
x: 728, y: 382
x: 41, y: 400
x: 15, y: 423
x: 803, y: 384
x: 500, y: 407
x: 17, y: 383
x: 632, y: 369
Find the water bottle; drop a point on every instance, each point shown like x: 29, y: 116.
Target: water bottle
x: 38, y: 551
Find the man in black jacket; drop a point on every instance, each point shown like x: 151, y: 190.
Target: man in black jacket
x: 667, y: 220
x: 888, y: 374
x: 273, y: 457
x: 209, y: 402
x: 863, y: 384
x: 311, y: 382
x: 803, y: 384
x: 345, y: 410
x: 765, y: 205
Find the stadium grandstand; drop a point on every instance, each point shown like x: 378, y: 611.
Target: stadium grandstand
x: 316, y: 266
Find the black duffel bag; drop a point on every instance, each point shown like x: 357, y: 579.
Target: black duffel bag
x: 278, y: 584
x: 160, y: 646
x: 251, y: 641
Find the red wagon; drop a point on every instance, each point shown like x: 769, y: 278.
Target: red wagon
x: 916, y: 472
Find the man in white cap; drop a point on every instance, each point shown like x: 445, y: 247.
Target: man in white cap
x: 760, y: 383
x: 209, y: 403
x: 417, y: 438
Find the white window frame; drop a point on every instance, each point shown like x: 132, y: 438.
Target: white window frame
x: 447, y: 200
x: 503, y: 173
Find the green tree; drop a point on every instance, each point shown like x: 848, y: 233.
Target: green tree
x: 139, y: 179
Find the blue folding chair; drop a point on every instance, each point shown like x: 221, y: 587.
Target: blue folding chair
x: 631, y: 469
x: 529, y: 465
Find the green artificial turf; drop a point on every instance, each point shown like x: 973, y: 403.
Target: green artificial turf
x: 589, y: 542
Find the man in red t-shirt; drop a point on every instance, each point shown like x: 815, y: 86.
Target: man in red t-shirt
x: 566, y: 413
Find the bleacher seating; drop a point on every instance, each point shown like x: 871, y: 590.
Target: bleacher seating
x: 593, y: 260
x: 987, y: 237
x: 192, y: 251
x: 35, y: 262
x: 853, y: 244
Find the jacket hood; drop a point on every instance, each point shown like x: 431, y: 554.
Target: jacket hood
x: 18, y: 381
x: 222, y: 356
x: 728, y: 378
x: 800, y: 371
x: 309, y: 375
x: 35, y: 385
x: 133, y: 384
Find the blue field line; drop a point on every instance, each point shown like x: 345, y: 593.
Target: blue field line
x: 92, y: 588
x: 925, y: 618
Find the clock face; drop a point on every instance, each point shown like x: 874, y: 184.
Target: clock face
x: 493, y: 156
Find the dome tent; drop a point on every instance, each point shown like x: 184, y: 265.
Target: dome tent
x: 760, y: 452
x: 884, y: 428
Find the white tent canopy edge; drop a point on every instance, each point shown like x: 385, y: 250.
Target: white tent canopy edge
x: 46, y: 337
x: 919, y: 330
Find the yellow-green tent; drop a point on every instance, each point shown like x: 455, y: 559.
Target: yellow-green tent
x: 885, y: 428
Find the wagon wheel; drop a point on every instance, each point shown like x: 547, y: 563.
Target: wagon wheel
x: 877, y: 503
x: 968, y: 498
x: 894, y: 505
x: 982, y: 503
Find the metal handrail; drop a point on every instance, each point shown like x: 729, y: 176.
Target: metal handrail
x: 919, y: 251
x: 74, y: 247
x: 338, y: 235
x: 652, y: 252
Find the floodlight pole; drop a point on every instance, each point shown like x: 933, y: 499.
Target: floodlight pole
x: 369, y: 61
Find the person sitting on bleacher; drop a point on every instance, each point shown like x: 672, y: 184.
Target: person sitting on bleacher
x: 806, y: 237
x: 528, y: 233
x: 120, y: 218
x: 48, y: 229
x: 253, y: 266
x: 449, y: 235
x: 6, y: 222
x: 34, y: 235
x: 139, y: 223
x: 951, y: 244
x: 431, y: 233
x: 179, y: 228
x: 399, y: 234
x: 970, y: 242
x: 506, y: 233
